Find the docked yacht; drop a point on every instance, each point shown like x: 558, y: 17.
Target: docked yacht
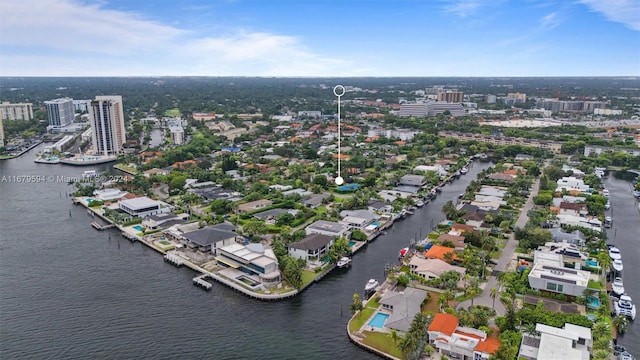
x: 420, y: 204
x: 614, y: 253
x: 617, y: 286
x: 464, y: 171
x: 607, y: 206
x: 344, y: 262
x: 625, y: 306
x: 617, y: 265
x: 372, y: 284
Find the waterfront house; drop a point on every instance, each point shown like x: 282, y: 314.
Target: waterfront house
x: 432, y: 268
x: 459, y: 229
x: 208, y: 240
x: 312, y: 247
x: 460, y: 342
x: 495, y: 191
x: 502, y: 177
x: 549, y: 274
x: 475, y: 219
x: 254, y: 205
x: 438, y: 169
x: 524, y: 157
x: 589, y: 222
x: 440, y: 252
x: 413, y: 180
x: 143, y: 206
x: 571, y: 254
x: 329, y: 228
x: 403, y: 306
x: 252, y: 265
x: 571, y: 342
x: 457, y: 240
x: 165, y: 220
x: 575, y: 209
x: 358, y: 219
x: 379, y: 207
x: 109, y: 194
x: 575, y: 237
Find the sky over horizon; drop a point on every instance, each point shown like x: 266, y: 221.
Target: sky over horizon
x: 320, y: 38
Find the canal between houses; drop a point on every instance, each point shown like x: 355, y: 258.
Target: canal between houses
x: 69, y: 291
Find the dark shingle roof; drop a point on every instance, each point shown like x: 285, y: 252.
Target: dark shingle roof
x: 312, y: 242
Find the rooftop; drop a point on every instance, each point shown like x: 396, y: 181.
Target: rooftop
x: 444, y: 323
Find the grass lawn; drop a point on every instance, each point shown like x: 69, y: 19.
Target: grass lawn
x: 175, y: 112
x: 431, y: 306
x: 382, y: 342
x: 357, y: 322
x: 308, y: 276
x: 594, y: 285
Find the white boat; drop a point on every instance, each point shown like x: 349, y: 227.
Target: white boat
x: 464, y: 171
x: 605, y: 193
x: 617, y: 286
x: 617, y: 265
x: 614, y: 253
x: 636, y: 193
x: 607, y: 206
x: 625, y: 306
x: 420, y: 204
x: 371, y: 285
x: 344, y: 262
x: 625, y: 356
x: 404, y: 251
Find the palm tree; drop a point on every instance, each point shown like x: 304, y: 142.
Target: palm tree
x: 493, y: 293
x: 393, y: 335
x: 442, y: 301
x: 604, y: 260
x: 357, y: 304
x: 621, y: 324
x: 530, y: 328
x: 472, y: 291
x: 600, y: 329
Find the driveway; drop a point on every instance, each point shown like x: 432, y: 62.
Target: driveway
x: 503, y: 262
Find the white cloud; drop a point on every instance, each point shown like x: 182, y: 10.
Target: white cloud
x: 550, y: 21
x: 626, y: 12
x: 464, y: 8
x: 67, y: 37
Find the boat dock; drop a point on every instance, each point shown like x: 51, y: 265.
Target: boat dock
x: 201, y: 282
x: 174, y: 259
x: 102, y: 227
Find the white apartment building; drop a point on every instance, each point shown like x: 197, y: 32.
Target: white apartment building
x: 20, y: 111
x: 61, y: 112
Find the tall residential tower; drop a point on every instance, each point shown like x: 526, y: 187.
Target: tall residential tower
x: 107, y: 123
x: 60, y: 111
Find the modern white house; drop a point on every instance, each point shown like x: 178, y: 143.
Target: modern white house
x: 572, y: 342
x: 437, y: 168
x: 109, y: 194
x: 250, y: 262
x: 572, y: 183
x: 143, y: 206
x: 549, y: 274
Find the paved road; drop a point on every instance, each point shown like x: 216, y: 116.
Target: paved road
x: 503, y: 262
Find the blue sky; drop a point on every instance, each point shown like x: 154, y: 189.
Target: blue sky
x: 320, y: 38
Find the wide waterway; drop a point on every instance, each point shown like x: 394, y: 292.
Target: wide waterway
x: 625, y: 234
x: 69, y: 291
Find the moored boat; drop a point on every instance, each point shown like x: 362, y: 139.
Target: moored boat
x: 617, y: 286
x: 464, y: 171
x: 617, y: 265
x: 344, y: 262
x: 404, y: 251
x: 625, y: 306
x: 371, y: 285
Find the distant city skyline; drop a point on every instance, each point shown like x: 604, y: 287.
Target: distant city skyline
x: 320, y: 38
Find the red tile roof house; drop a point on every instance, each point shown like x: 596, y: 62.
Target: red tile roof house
x: 460, y: 342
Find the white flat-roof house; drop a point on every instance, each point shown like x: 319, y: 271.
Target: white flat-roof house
x: 358, y: 219
x: 329, y: 228
x: 143, y: 206
x: 252, y: 259
x: 572, y: 183
x: 572, y: 342
x: 549, y: 274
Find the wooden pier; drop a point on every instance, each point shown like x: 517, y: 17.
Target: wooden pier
x: 201, y: 282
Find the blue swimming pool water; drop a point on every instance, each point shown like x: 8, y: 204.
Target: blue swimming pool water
x: 591, y: 262
x: 138, y: 227
x: 593, y: 302
x: 378, y: 320
x: 351, y: 243
x: 376, y: 223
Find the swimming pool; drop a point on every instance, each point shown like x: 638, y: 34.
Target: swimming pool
x: 351, y: 243
x: 378, y: 320
x: 376, y: 223
x: 593, y: 302
x: 138, y: 227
